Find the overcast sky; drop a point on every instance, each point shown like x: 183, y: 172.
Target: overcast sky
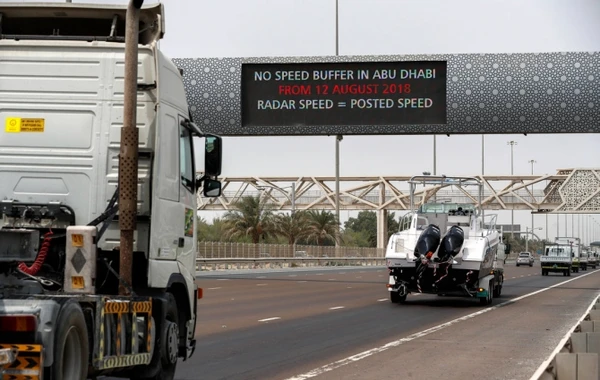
x: 224, y: 28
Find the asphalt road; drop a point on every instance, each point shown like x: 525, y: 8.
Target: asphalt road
x: 312, y: 324
x: 339, y: 324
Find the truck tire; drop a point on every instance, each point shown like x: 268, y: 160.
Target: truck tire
x: 163, y: 352
x: 71, y: 345
x: 498, y: 290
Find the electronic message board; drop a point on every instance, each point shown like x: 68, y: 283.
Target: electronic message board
x: 343, y: 93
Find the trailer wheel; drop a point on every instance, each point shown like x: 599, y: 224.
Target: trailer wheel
x: 71, y: 345
x: 166, y: 349
x: 498, y: 290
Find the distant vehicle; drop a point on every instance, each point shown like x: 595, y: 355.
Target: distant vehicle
x: 525, y: 258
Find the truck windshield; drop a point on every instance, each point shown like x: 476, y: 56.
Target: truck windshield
x: 557, y: 252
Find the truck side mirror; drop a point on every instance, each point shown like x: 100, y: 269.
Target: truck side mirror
x: 211, y: 188
x: 212, y: 156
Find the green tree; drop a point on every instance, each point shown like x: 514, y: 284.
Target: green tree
x: 292, y: 227
x: 322, y: 227
x: 252, y: 217
x: 366, y: 222
x: 353, y: 238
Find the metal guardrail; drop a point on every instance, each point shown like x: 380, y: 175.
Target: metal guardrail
x: 208, y: 264
x: 226, y: 250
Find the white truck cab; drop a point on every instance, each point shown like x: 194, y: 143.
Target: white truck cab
x: 61, y: 111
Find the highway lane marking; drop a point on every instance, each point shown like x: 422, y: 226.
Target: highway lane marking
x: 382, y: 299
x: 332, y: 279
x: 301, y: 281
x: 292, y: 275
x: 261, y: 277
x: 336, y: 307
x: 269, y: 319
x: 222, y: 279
x: 261, y: 284
x: 365, y: 354
x: 218, y: 287
x: 348, y: 287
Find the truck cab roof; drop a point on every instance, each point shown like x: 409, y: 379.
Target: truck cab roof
x: 76, y: 21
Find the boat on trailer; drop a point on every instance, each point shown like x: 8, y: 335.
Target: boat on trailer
x: 446, y: 248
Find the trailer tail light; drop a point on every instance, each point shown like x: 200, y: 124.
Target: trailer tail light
x: 200, y: 293
x: 18, y: 323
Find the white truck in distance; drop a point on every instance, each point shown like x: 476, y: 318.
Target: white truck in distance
x: 63, y: 107
x: 559, y: 257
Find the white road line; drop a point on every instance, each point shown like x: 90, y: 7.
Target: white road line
x: 336, y: 307
x: 301, y: 281
x: 319, y: 274
x: 513, y: 277
x: 292, y: 275
x: 348, y: 287
x: 261, y: 277
x: 365, y: 354
x: 222, y: 279
x: 218, y: 287
x: 382, y: 299
x: 332, y: 279
x: 522, y: 275
x: 269, y: 319
x: 342, y: 273
x: 261, y: 284
x: 529, y: 274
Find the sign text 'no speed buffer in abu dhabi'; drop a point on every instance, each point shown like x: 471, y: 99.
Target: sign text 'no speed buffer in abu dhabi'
x: 344, y: 94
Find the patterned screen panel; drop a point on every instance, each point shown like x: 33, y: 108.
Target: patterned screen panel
x: 486, y: 93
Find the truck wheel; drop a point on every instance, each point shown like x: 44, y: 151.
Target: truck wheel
x: 166, y: 348
x: 71, y: 345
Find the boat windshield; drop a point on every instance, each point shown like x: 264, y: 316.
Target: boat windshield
x: 447, y: 208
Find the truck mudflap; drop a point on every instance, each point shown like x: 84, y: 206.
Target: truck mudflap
x: 21, y: 361
x: 133, y: 335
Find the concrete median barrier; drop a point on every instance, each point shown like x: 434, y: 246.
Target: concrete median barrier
x: 577, y: 357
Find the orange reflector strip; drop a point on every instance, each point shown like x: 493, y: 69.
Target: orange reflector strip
x: 200, y: 293
x: 18, y: 323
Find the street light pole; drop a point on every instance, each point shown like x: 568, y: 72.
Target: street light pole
x: 532, y: 162
x: 482, y: 154
x: 338, y: 138
x: 512, y: 143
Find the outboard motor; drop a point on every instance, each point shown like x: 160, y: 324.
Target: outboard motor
x: 451, y: 243
x: 428, y: 241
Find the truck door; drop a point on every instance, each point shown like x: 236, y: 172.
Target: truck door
x: 187, y: 242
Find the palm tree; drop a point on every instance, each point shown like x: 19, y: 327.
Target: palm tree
x: 251, y: 217
x: 322, y: 227
x: 292, y: 226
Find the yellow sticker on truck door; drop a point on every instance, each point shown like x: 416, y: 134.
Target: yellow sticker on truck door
x: 18, y: 125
